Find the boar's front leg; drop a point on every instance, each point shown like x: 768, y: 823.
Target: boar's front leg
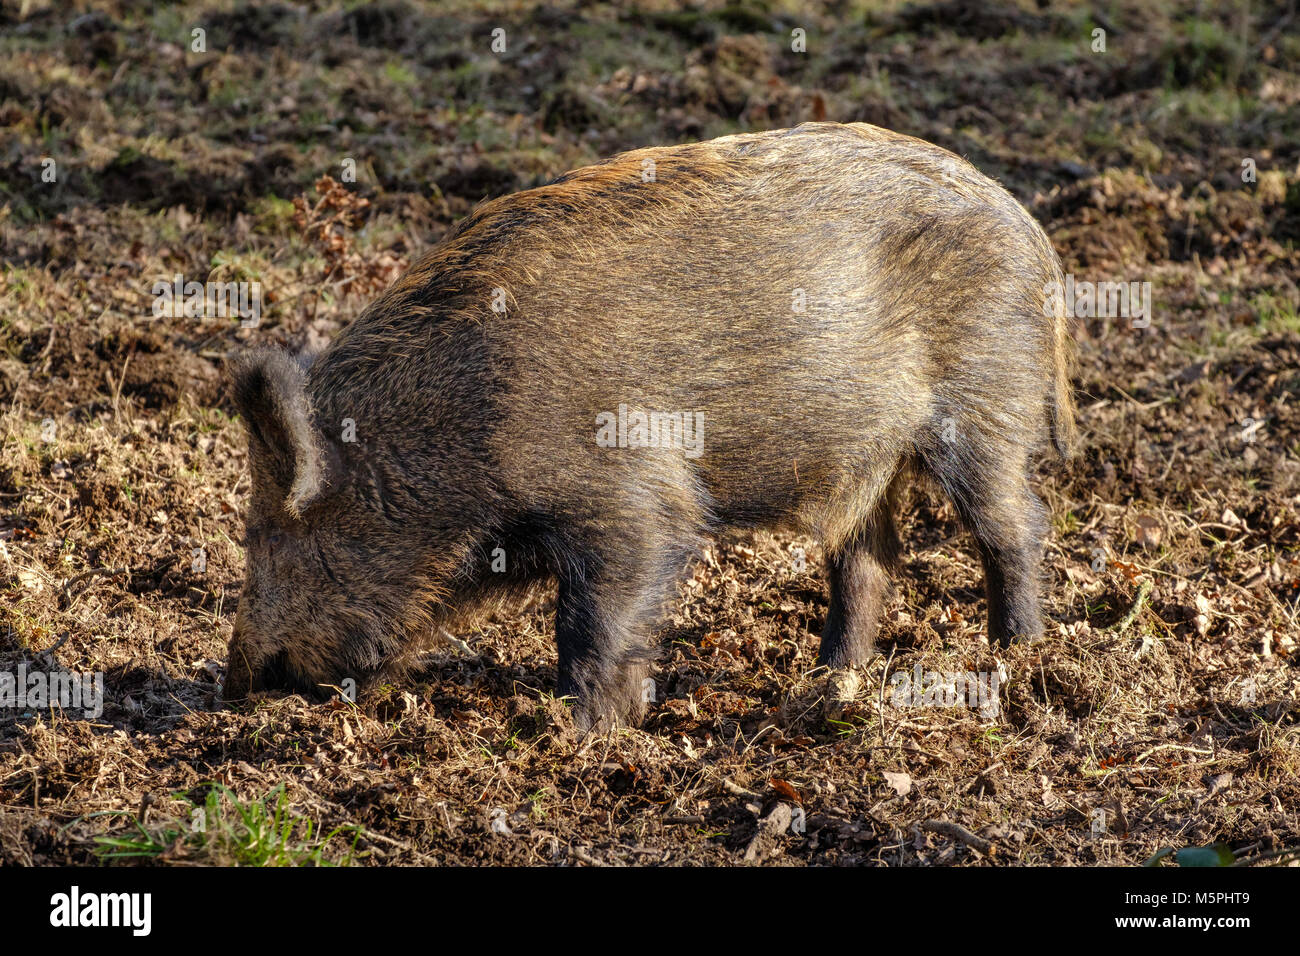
x: 606, y: 613
x: 859, y: 584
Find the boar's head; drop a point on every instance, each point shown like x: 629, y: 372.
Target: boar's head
x: 327, y: 593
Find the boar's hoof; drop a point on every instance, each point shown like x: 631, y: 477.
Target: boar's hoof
x: 842, y: 687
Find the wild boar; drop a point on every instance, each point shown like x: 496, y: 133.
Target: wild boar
x: 585, y: 381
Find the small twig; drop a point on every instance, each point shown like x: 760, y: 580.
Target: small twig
x: 455, y: 642
x: 369, y: 834
x: 117, y: 392
x: 913, y: 750
x: 586, y: 857
x: 1283, y: 853
x: 93, y: 572
x: 738, y: 790
x: 1139, y: 602
x: 48, y: 653
x: 770, y: 827
x: 1148, y: 753
x: 49, y: 343
x: 959, y: 832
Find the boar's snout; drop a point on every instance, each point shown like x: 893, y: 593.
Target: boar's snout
x: 243, y: 676
x: 248, y: 673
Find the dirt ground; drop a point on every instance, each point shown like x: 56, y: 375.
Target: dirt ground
x: 1160, y: 713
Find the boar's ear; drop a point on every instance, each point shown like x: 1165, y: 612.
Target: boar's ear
x: 270, y: 391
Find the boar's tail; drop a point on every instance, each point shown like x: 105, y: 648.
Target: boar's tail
x: 1065, y: 431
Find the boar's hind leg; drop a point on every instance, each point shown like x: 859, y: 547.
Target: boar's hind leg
x: 859, y: 587
x: 995, y: 501
x: 605, y: 617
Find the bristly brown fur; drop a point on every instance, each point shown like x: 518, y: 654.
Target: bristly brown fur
x: 840, y: 303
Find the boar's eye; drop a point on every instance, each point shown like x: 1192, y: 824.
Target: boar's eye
x: 255, y: 536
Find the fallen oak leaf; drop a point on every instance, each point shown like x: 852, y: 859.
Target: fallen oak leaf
x: 786, y: 791
x: 900, y: 783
